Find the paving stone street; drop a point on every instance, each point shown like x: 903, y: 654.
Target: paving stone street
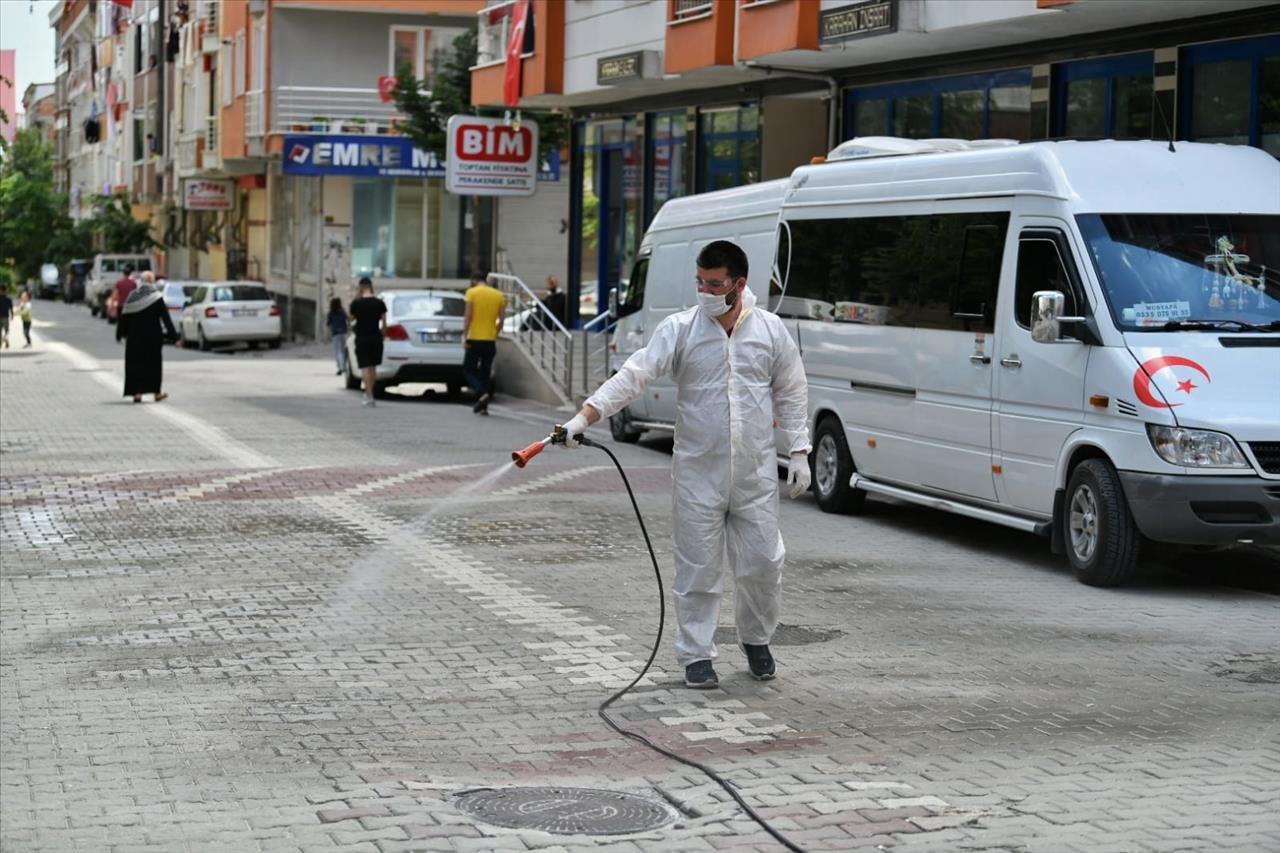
x: 258, y: 616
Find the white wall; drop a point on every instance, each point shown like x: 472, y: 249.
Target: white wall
x: 529, y: 233
x: 596, y: 28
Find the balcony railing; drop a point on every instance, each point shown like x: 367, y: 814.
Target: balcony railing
x: 691, y: 8
x: 326, y: 109
x: 493, y: 32
x: 254, y: 118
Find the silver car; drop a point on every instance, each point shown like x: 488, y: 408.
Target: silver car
x: 423, y: 341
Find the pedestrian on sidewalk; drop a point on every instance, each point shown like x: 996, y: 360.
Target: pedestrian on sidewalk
x: 481, y: 322
x: 144, y: 326
x: 124, y: 286
x: 737, y: 371
x: 370, y: 316
x: 6, y: 313
x: 24, y: 314
x: 554, y: 301
x: 336, y: 320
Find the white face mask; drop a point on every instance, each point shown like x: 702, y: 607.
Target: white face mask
x: 712, y: 304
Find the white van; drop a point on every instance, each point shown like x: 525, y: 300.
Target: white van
x: 661, y: 280
x: 107, y: 269
x: 1080, y: 339
x: 1077, y: 339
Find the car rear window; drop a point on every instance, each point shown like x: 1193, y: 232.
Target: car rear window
x: 241, y: 293
x: 428, y: 305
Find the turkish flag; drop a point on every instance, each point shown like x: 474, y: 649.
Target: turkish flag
x: 520, y: 14
x: 387, y: 88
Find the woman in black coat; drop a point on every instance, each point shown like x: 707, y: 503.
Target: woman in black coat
x: 145, y: 326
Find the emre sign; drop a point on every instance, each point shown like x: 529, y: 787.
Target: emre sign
x: 487, y: 156
x: 860, y: 19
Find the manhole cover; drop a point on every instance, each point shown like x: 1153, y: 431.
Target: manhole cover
x: 566, y: 811
x: 1251, y: 669
x: 785, y: 635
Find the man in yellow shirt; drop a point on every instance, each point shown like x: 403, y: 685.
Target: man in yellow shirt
x: 481, y: 323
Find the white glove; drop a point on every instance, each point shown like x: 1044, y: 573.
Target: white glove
x: 798, y: 476
x: 576, y: 425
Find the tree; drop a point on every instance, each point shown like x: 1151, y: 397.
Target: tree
x: 116, y: 229
x: 31, y: 212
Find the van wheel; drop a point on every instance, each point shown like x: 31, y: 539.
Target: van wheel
x: 621, y: 430
x: 1102, y: 540
x: 275, y: 343
x: 832, y: 466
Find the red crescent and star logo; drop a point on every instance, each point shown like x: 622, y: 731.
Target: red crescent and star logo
x: 1144, y: 375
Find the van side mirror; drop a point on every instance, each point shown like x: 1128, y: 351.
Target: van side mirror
x: 1046, y: 316
x: 613, y: 303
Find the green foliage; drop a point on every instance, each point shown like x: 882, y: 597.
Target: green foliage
x: 428, y: 104
x: 30, y: 211
x: 116, y: 230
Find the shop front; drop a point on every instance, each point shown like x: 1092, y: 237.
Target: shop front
x: 347, y: 206
x: 625, y: 168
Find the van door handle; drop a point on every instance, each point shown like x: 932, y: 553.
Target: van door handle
x: 1011, y: 361
x: 979, y: 358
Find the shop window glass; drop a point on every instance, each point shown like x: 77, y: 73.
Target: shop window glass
x: 1086, y: 103
x: 961, y: 114
x: 1269, y: 108
x: 913, y: 116
x: 1220, y: 102
x: 730, y: 147
x: 371, y: 253
x: 407, y: 231
x: 281, y: 219
x: 668, y: 150
x: 404, y: 51
x: 1131, y: 107
x: 1009, y: 112
x: 307, y: 194
x: 871, y: 117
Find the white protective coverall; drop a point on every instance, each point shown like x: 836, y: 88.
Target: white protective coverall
x: 731, y: 388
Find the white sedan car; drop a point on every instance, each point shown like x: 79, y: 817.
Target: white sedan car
x: 228, y: 312
x: 177, y: 294
x: 423, y: 341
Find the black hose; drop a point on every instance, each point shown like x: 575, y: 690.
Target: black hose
x: 662, y: 617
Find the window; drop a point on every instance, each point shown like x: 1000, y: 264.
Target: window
x: 1105, y: 98
x: 139, y: 139
x: 241, y: 293
x: 281, y: 221
x: 200, y: 294
x: 240, y: 69
x: 257, y: 72
x: 1231, y: 93
x: 936, y: 272
x: 1040, y: 267
x: 423, y: 305
x: 729, y: 141
x: 669, y: 154
x: 975, y: 106
x: 409, y: 47
x: 405, y: 229
x: 631, y: 293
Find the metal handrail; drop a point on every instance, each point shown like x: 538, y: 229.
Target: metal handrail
x: 550, y: 345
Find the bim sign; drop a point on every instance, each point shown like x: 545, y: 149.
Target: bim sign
x: 487, y: 156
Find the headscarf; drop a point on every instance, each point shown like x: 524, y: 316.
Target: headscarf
x: 143, y: 296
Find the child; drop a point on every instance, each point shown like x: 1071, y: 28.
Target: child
x: 24, y: 313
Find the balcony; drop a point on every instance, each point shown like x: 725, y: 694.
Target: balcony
x: 326, y: 109
x: 255, y: 121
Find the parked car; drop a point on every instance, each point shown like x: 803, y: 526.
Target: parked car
x: 177, y: 294
x: 106, y: 271
x: 423, y: 341
x: 228, y: 312
x: 50, y: 281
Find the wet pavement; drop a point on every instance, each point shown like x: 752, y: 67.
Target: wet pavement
x: 258, y: 616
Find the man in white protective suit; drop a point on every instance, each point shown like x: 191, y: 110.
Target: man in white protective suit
x: 737, y: 371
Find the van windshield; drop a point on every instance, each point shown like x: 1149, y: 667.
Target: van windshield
x: 1187, y: 271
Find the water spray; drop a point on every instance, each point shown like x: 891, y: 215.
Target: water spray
x: 521, y: 458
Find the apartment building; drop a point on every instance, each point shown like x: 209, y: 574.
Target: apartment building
x: 40, y: 109
x: 8, y: 96
x: 672, y: 97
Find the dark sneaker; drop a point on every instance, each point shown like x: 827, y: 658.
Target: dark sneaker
x: 700, y: 675
x: 482, y: 404
x: 760, y: 661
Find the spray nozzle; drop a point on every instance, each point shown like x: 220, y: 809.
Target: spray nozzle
x: 522, y: 457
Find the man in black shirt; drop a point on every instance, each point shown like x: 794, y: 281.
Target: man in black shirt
x: 6, y: 311
x: 370, y: 316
